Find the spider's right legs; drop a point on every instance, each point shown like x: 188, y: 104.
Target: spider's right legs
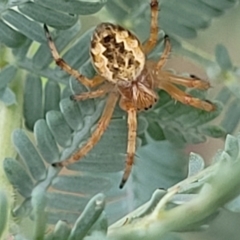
x: 151, y: 42
x: 165, y: 53
x: 185, y: 98
x: 62, y: 64
x: 190, y: 82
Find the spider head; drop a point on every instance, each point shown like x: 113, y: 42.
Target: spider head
x: 116, y: 53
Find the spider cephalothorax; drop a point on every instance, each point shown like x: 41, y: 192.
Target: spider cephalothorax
x: 123, y: 72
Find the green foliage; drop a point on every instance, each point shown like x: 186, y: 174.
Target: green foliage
x: 223, y: 58
x: 181, y: 208
x: 55, y: 126
x: 185, y: 206
x: 177, y: 19
x: 6, y: 76
x: 4, y: 211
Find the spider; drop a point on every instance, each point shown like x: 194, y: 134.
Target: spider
x: 124, y: 73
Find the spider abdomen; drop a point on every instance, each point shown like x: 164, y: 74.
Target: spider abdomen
x: 116, y: 53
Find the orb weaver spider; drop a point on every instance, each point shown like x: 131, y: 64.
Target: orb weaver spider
x: 123, y: 72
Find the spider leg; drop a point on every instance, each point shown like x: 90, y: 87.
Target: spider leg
x: 185, y: 98
x: 165, y: 54
x: 101, y: 91
x: 152, y: 40
x: 192, y: 82
x: 131, y: 148
x: 98, y: 132
x: 62, y: 64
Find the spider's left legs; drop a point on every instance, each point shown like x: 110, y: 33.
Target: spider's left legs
x: 152, y: 40
x: 131, y: 147
x: 185, y: 98
x: 98, y: 132
x: 101, y: 91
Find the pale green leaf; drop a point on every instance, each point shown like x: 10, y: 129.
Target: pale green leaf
x: 18, y: 177
x: 52, y: 96
x: 10, y: 37
x: 4, y: 211
x: 6, y: 75
x: 45, y: 142
x: 73, y: 7
x: 222, y: 57
x: 29, y: 154
x: 8, y: 97
x: 27, y: 27
x: 33, y: 100
x: 45, y: 15
x: 88, y: 217
x: 59, y: 128
x: 61, y: 231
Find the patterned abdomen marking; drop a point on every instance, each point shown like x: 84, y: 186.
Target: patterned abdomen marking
x: 116, y: 53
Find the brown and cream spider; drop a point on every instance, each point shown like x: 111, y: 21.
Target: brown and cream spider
x: 120, y: 58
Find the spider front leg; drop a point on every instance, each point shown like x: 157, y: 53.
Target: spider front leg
x: 165, y: 54
x: 62, y: 64
x: 185, y: 98
x: 131, y: 147
x: 98, y: 132
x: 192, y: 82
x: 151, y: 42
